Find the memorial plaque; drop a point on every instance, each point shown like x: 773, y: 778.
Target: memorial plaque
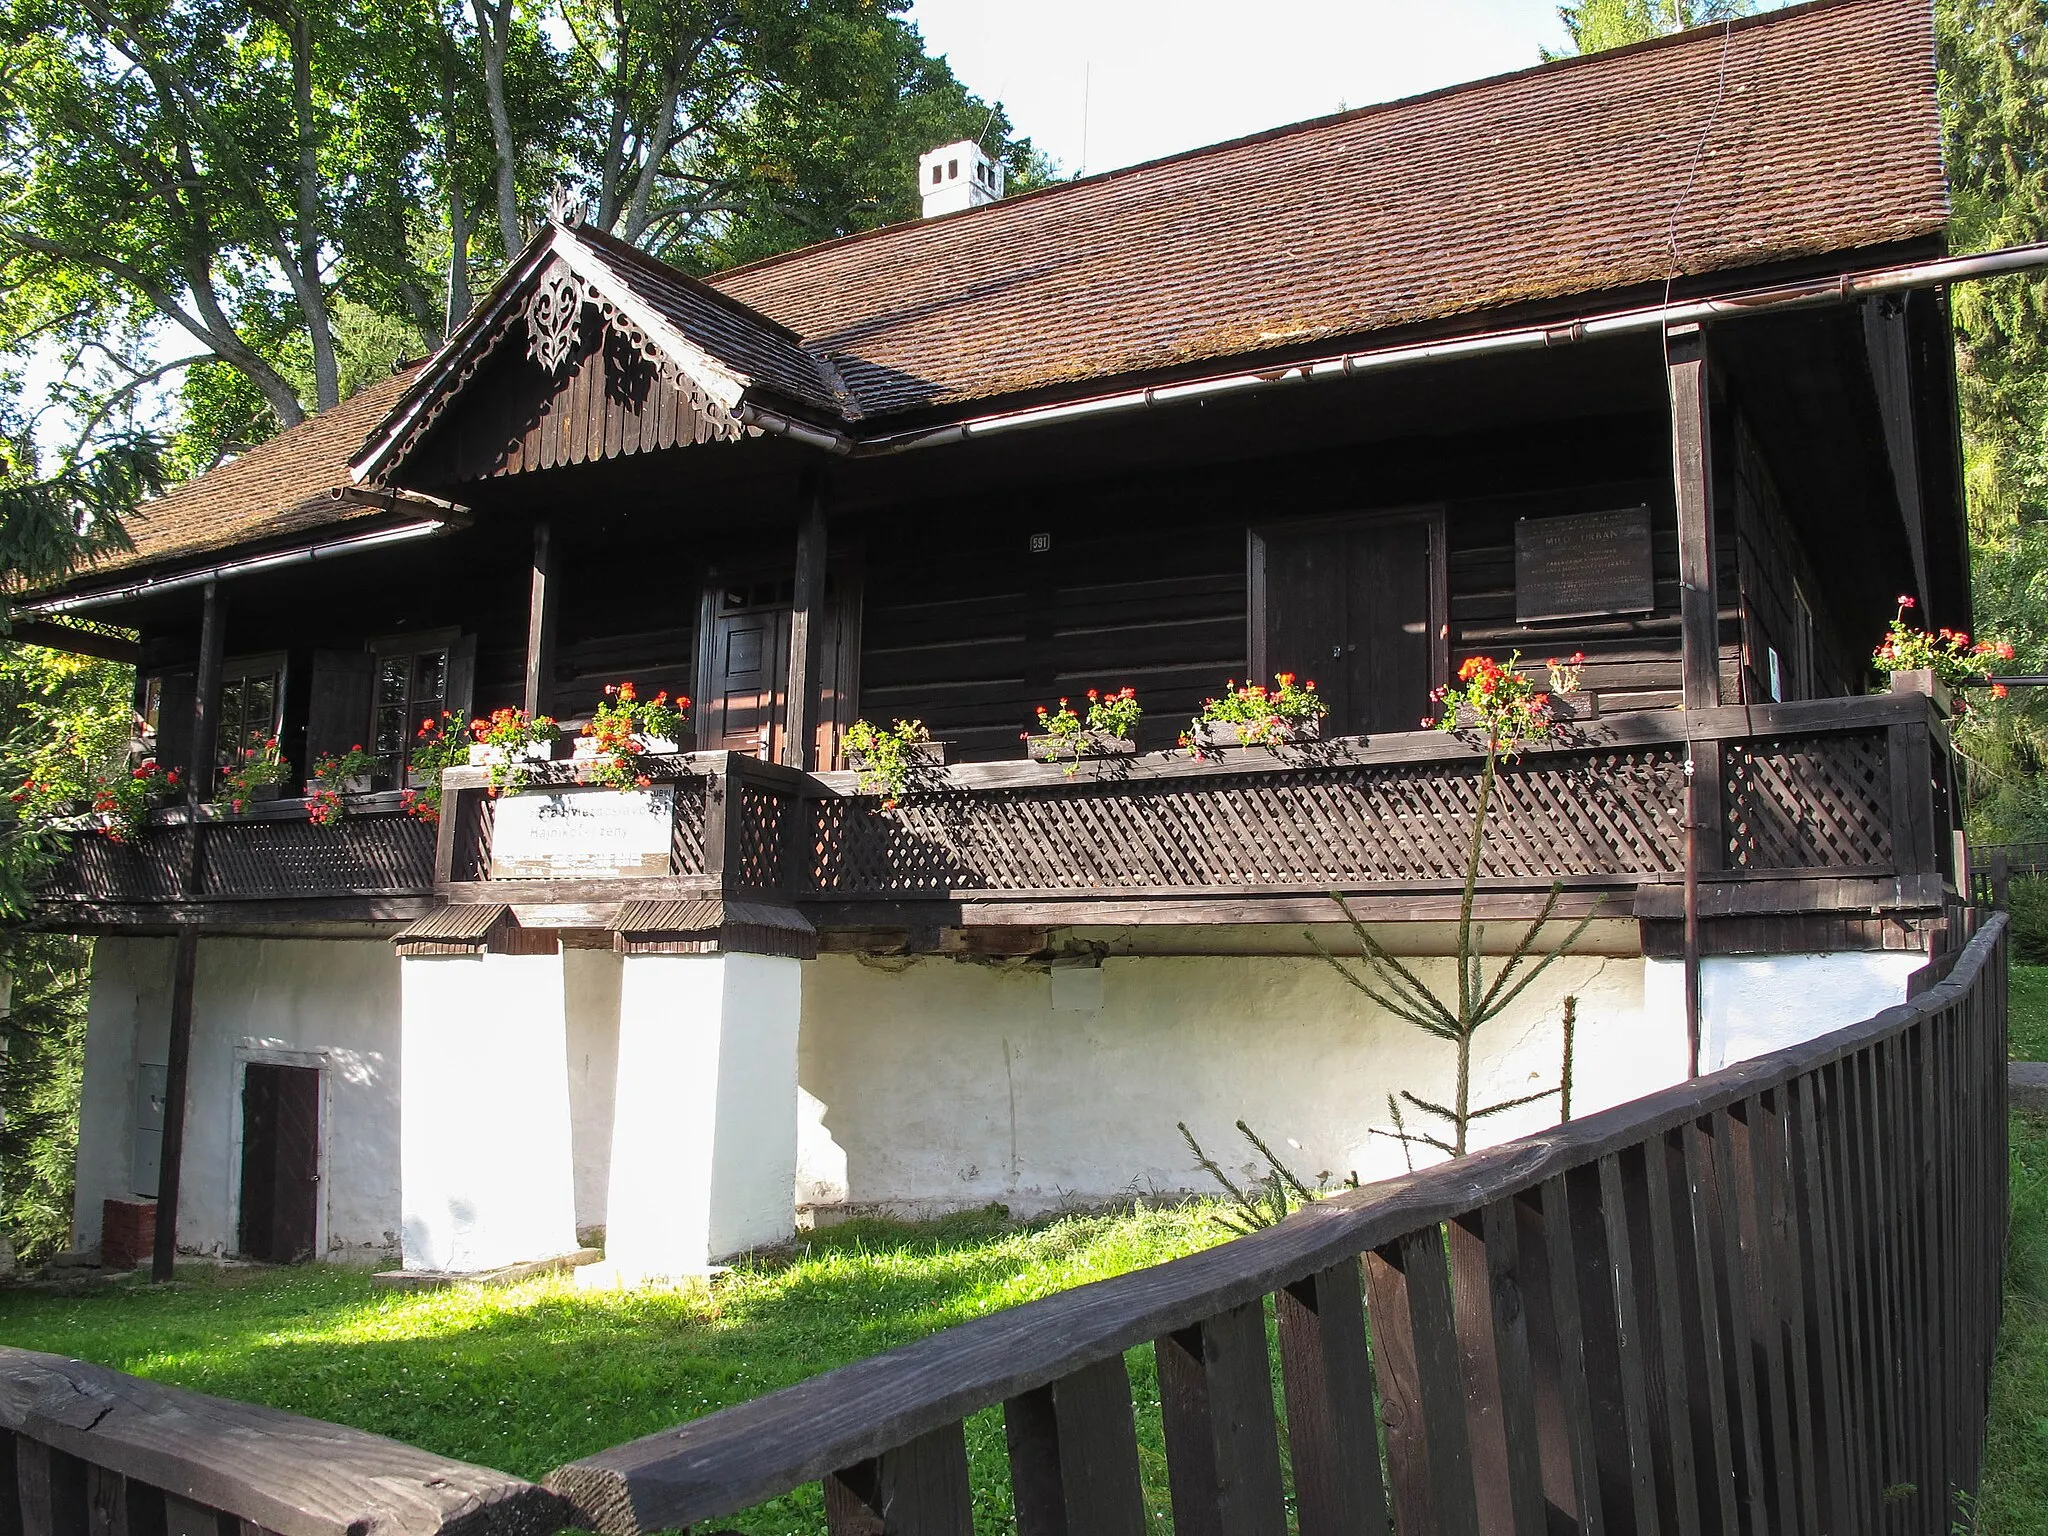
x: 583, y: 834
x: 1577, y: 567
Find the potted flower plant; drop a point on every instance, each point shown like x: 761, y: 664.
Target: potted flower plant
x: 256, y: 775
x: 1064, y: 736
x: 1936, y: 663
x: 507, y: 743
x: 439, y: 743
x: 625, y: 729
x: 883, y: 758
x: 336, y: 777
x: 1258, y: 716
x: 126, y: 798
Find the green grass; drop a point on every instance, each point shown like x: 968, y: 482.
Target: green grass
x: 524, y: 1378
x: 2014, y: 1499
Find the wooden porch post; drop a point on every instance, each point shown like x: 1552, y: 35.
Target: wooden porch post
x: 206, y: 699
x: 171, y: 1160
x: 806, y: 626
x: 545, y: 595
x: 1699, y: 610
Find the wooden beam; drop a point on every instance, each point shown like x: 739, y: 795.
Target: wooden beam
x: 206, y: 697
x: 543, y: 598
x: 806, y: 627
x: 78, y: 642
x: 1692, y: 484
x: 172, y: 1159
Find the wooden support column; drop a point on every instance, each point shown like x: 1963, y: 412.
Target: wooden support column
x: 1699, y: 611
x: 172, y: 1159
x: 540, y: 621
x: 206, y: 698
x: 806, y: 627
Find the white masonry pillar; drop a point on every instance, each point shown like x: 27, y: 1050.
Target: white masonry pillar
x: 485, y: 1152
x: 705, y: 1123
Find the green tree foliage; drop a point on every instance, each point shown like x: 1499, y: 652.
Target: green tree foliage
x: 1994, y: 87
x: 67, y: 723
x: 298, y: 195
x: 1596, y: 25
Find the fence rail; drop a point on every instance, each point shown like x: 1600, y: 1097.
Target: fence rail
x: 86, y: 1451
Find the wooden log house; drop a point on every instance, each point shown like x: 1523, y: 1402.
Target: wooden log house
x: 1645, y: 356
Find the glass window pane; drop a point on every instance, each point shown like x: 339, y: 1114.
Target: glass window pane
x: 261, y: 696
x: 391, y: 719
x: 430, y: 681
x: 391, y: 679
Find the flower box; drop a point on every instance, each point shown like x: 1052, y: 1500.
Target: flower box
x: 262, y: 792
x: 917, y: 754
x: 1064, y: 749
x: 1233, y: 733
x: 1924, y: 680
x: 481, y: 756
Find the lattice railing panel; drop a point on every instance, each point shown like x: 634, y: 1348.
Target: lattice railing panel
x: 96, y: 868
x: 686, y: 842
x: 1808, y: 802
x: 1617, y: 812
x: 757, y: 850
x: 297, y: 858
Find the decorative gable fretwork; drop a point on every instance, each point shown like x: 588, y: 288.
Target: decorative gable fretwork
x: 554, y: 316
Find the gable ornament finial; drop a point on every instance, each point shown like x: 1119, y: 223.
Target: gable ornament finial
x: 565, y: 207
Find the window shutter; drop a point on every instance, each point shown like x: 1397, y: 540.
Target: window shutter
x: 174, y: 720
x: 461, y: 678
x: 338, y: 713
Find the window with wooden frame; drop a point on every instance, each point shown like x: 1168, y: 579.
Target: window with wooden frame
x: 410, y: 682
x: 251, y: 705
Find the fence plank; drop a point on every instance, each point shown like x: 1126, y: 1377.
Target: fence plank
x: 1222, y: 1443
x: 1332, y: 1437
x: 1500, y: 1231
x: 10, y: 1487
x: 1554, y: 1283
x: 1473, y: 1317
x: 52, y: 1490
x: 1745, y: 1422
x: 120, y: 1506
x: 182, y: 1517
x: 292, y: 1475
x: 1816, y: 1276
x: 1074, y: 1455
x: 917, y: 1489
x: 1673, y: 1365
x: 1630, y: 1336
x: 1702, y: 1228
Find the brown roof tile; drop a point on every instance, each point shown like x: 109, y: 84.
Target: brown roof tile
x: 1819, y: 135
x: 278, y: 487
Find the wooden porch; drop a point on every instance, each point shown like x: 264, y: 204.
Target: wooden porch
x: 1827, y: 806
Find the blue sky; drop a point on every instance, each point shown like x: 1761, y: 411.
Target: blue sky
x: 1161, y: 77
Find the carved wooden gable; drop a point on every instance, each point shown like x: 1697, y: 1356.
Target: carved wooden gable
x: 568, y: 379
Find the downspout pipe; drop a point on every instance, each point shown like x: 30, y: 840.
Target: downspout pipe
x: 1806, y: 295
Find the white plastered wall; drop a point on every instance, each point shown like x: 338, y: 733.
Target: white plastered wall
x: 590, y: 980
x: 327, y: 1004
x: 1751, y: 1005
x: 936, y: 1084
x: 705, y: 1124
x: 487, y: 1163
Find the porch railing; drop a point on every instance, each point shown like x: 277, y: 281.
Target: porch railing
x: 1764, y: 1300
x: 1855, y: 791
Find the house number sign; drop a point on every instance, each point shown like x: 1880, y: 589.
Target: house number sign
x: 583, y: 834
x: 1575, y: 567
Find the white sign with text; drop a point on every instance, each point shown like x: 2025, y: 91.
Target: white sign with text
x: 583, y: 834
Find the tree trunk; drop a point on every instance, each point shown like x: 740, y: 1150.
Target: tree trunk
x: 494, y: 35
x: 306, y: 284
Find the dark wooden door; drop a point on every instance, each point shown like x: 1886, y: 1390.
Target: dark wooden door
x: 746, y: 678
x: 1356, y: 607
x: 280, y: 1162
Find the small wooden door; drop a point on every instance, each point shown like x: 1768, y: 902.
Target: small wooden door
x: 744, y: 695
x: 280, y: 1162
x: 1356, y: 606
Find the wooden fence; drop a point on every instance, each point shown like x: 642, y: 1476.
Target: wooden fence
x: 1765, y: 1300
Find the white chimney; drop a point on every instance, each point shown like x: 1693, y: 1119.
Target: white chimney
x: 957, y: 176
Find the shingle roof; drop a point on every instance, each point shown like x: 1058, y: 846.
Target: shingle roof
x: 1820, y: 135
x: 1807, y: 132
x: 279, y: 487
